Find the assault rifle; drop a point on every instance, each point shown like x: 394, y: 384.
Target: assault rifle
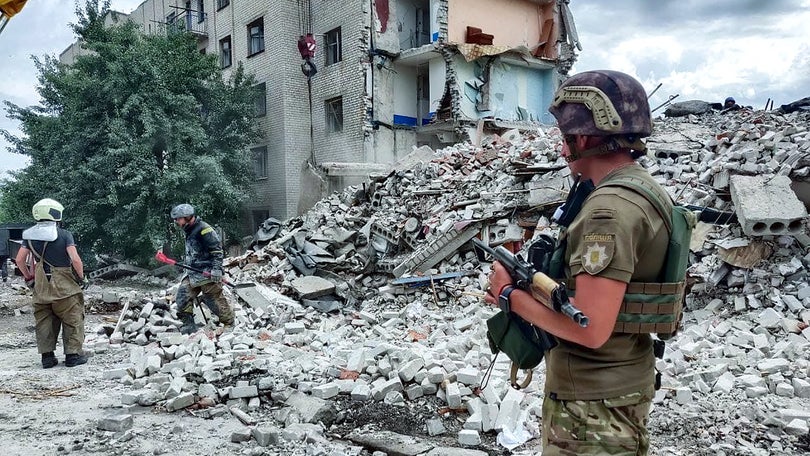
x: 542, y: 287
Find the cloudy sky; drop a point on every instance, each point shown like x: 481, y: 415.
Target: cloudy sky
x: 698, y: 49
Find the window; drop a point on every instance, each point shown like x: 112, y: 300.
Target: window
x: 256, y: 37
x: 259, y: 216
x: 200, y: 10
x: 334, y: 115
x: 222, y: 4
x: 332, y: 40
x: 260, y: 161
x: 225, y: 52
x: 260, y: 102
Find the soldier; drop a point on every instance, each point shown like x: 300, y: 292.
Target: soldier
x: 52, y: 268
x: 204, y: 252
x: 599, y: 383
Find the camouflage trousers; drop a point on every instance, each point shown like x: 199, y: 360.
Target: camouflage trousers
x: 616, y: 426
x: 65, y: 315
x: 212, y: 296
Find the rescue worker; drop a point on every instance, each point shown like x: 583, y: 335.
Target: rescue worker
x: 306, y: 47
x: 204, y: 252
x: 599, y: 383
x: 52, y: 268
x: 730, y: 104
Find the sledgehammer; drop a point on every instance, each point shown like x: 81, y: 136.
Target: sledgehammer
x: 160, y: 256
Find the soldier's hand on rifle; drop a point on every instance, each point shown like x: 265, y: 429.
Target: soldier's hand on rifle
x: 498, y: 279
x: 216, y: 275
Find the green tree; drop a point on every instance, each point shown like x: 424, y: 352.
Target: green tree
x: 134, y: 126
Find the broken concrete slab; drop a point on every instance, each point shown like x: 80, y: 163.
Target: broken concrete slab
x: 766, y: 205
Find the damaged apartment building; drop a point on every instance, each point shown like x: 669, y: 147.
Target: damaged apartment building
x: 391, y: 75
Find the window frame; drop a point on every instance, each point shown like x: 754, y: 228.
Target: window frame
x: 222, y: 54
x: 200, y: 11
x: 262, y: 89
x: 222, y: 4
x: 334, y: 117
x: 251, y: 38
x: 333, y: 46
x: 260, y: 167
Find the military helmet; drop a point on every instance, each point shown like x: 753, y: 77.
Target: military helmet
x: 730, y: 100
x: 602, y: 103
x: 47, y: 209
x: 182, y: 210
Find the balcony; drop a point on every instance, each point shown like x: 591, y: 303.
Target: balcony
x: 191, y: 21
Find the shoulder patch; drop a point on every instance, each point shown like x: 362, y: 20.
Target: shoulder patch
x: 597, y: 251
x: 206, y: 230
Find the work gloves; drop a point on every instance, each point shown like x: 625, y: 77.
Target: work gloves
x: 84, y: 283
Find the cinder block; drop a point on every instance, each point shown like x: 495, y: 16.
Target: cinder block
x: 766, y: 205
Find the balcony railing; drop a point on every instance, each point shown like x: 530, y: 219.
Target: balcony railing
x: 190, y: 21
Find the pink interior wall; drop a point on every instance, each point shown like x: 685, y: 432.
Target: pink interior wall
x: 512, y: 22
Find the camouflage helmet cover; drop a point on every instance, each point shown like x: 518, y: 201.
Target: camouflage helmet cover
x: 182, y: 210
x: 602, y: 103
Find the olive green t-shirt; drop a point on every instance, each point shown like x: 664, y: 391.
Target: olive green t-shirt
x: 620, y: 235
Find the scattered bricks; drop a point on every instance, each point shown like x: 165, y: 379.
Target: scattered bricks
x: 725, y: 383
x: 238, y: 392
x: 386, y: 387
x: 414, y: 392
x: 409, y: 370
x: 766, y: 205
x: 428, y: 387
x: 509, y: 410
x: 489, y: 413
x: 801, y: 388
x: 294, y: 327
x: 146, y: 311
x: 683, y: 395
x: 469, y: 437
x: 326, y: 391
x: 469, y: 376
x: 772, y: 366
x: 207, y: 390
x: 266, y: 435
x: 115, y: 423
x: 241, y: 435
x: 474, y: 422
x: 435, y: 375
x: 453, y: 395
x: 756, y: 391
x: 797, y: 427
x: 784, y: 389
x: 180, y: 402
x: 115, y: 374
x: 361, y: 392
x: 435, y: 427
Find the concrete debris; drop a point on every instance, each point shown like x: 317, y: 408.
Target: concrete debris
x: 739, y: 369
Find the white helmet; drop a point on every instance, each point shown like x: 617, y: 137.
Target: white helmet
x: 47, y: 209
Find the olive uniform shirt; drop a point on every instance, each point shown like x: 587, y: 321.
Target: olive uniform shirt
x: 619, y: 235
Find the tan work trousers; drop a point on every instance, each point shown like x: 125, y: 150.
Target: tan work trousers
x: 67, y: 315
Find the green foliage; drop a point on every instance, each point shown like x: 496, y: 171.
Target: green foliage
x: 138, y: 124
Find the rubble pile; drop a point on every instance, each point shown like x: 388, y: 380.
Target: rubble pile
x: 373, y: 297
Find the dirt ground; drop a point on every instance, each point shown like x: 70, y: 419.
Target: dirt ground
x: 55, y: 411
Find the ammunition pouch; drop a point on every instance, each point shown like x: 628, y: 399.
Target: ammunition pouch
x: 524, y: 343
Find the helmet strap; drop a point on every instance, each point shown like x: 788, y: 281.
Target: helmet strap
x: 611, y: 145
